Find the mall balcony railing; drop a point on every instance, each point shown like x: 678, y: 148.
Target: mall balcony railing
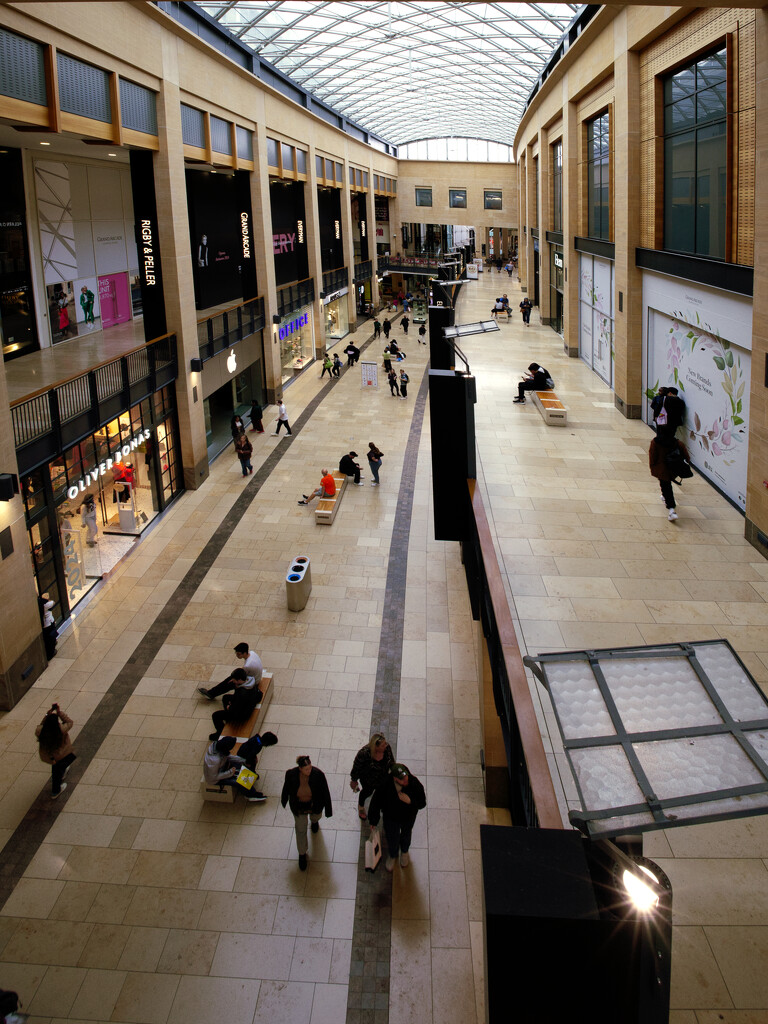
x: 363, y: 271
x: 226, y: 328
x: 410, y: 263
x: 335, y: 280
x: 293, y: 296
x: 532, y: 798
x: 52, y: 420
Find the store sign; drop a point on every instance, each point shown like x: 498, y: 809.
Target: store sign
x: 246, y: 235
x: 148, y: 253
x: 292, y: 326
x: 558, y: 260
x: 283, y: 243
x: 362, y: 229
x: 337, y: 229
x: 104, y: 467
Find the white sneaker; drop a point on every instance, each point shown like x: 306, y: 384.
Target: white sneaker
x: 55, y: 796
x: 405, y: 860
x: 389, y: 864
x: 359, y: 484
x: 672, y: 515
x: 374, y: 483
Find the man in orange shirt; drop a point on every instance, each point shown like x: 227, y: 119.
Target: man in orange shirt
x: 327, y: 489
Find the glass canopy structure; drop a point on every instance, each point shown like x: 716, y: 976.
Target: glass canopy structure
x: 407, y: 70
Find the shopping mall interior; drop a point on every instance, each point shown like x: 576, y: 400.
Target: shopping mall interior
x: 201, y: 204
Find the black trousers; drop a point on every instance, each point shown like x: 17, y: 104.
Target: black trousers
x: 57, y: 772
x: 667, y: 493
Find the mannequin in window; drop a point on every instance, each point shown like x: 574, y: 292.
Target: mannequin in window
x: 88, y: 516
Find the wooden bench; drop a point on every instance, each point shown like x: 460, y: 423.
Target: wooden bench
x: 551, y: 408
x: 242, y: 731
x: 328, y: 507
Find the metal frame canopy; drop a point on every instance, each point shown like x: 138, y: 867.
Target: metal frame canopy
x: 661, y: 736
x: 407, y: 70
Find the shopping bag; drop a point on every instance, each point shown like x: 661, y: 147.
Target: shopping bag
x: 246, y: 778
x: 372, y: 850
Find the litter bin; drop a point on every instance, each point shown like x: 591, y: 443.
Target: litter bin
x: 298, y: 584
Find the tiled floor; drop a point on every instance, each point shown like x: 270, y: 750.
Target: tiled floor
x: 141, y: 903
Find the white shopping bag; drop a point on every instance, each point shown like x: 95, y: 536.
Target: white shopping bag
x: 372, y: 850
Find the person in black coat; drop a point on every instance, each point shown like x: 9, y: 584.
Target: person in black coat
x: 537, y: 379
x: 349, y: 467
x: 399, y: 799
x: 257, y: 425
x: 238, y: 706
x: 306, y: 791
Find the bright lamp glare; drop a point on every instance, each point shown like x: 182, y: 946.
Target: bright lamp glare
x: 641, y: 894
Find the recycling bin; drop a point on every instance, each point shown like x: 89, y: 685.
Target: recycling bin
x: 298, y: 583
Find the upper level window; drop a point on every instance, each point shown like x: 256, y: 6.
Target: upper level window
x: 599, y: 177
x: 423, y: 196
x: 696, y: 157
x: 557, y: 186
x: 457, y: 198
x: 492, y: 199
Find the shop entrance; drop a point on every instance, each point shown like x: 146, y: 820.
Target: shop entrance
x: 232, y: 398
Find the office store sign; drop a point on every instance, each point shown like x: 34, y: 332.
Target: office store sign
x: 293, y: 326
x: 104, y: 467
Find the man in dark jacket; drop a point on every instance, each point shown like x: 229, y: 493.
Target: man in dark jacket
x: 671, y: 413
x: 306, y: 790
x: 399, y: 799
x: 537, y: 379
x: 349, y: 467
x: 238, y: 706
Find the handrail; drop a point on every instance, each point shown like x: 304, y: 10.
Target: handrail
x: 228, y: 309
x: 95, y: 366
x: 539, y: 776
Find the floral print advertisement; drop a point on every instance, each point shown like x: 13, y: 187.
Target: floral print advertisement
x: 712, y: 376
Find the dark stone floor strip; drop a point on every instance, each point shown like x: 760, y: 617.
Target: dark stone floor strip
x: 34, y: 827
x: 368, y: 998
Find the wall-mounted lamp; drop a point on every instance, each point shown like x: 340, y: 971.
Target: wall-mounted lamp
x: 196, y: 365
x: 9, y: 485
x: 276, y: 319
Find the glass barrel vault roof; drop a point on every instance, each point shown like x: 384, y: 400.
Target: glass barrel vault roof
x: 407, y: 70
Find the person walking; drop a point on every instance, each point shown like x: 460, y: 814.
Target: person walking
x: 667, y: 457
x: 336, y: 365
x: 393, y: 387
x: 405, y: 323
x: 386, y: 327
x: 404, y: 381
x: 327, y: 366
x: 376, y: 328
x: 237, y: 424
x: 306, y: 791
x: 257, y: 426
x: 55, y: 747
x: 370, y: 770
x: 422, y: 339
x: 243, y: 449
x: 670, y: 414
x: 525, y: 308
x: 50, y: 633
x: 282, y: 419
x: 399, y: 799
x: 349, y: 351
x: 374, y: 461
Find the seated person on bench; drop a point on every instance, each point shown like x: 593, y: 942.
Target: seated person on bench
x: 537, y: 379
x: 221, y: 767
x: 238, y: 706
x: 250, y: 750
x: 327, y: 489
x: 253, y: 669
x: 349, y: 467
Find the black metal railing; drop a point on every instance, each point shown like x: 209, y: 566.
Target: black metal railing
x: 532, y: 796
x: 420, y: 264
x: 335, y: 280
x: 294, y: 296
x: 363, y: 271
x: 225, y: 329
x: 51, y: 421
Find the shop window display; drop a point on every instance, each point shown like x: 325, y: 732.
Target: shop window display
x: 296, y: 343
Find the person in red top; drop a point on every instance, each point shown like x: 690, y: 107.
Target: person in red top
x: 327, y: 489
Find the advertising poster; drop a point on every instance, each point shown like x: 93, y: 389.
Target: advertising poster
x: 87, y: 304
x: 114, y: 299
x: 712, y: 375
x: 369, y: 374
x: 62, y: 312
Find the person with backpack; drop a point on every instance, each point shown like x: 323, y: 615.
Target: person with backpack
x: 670, y: 413
x: 669, y: 460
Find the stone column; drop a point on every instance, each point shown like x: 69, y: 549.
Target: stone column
x: 349, y: 244
x: 628, y: 295
x: 571, y: 155
x: 314, y: 256
x: 265, y: 264
x: 178, y: 283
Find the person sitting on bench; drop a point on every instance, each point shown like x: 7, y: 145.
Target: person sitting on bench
x: 537, y: 379
x: 238, y: 706
x: 327, y: 488
x: 221, y: 768
x: 349, y: 467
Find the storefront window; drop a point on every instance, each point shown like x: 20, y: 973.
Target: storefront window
x: 336, y: 320
x: 296, y: 343
x: 596, y: 283
x: 556, y: 288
